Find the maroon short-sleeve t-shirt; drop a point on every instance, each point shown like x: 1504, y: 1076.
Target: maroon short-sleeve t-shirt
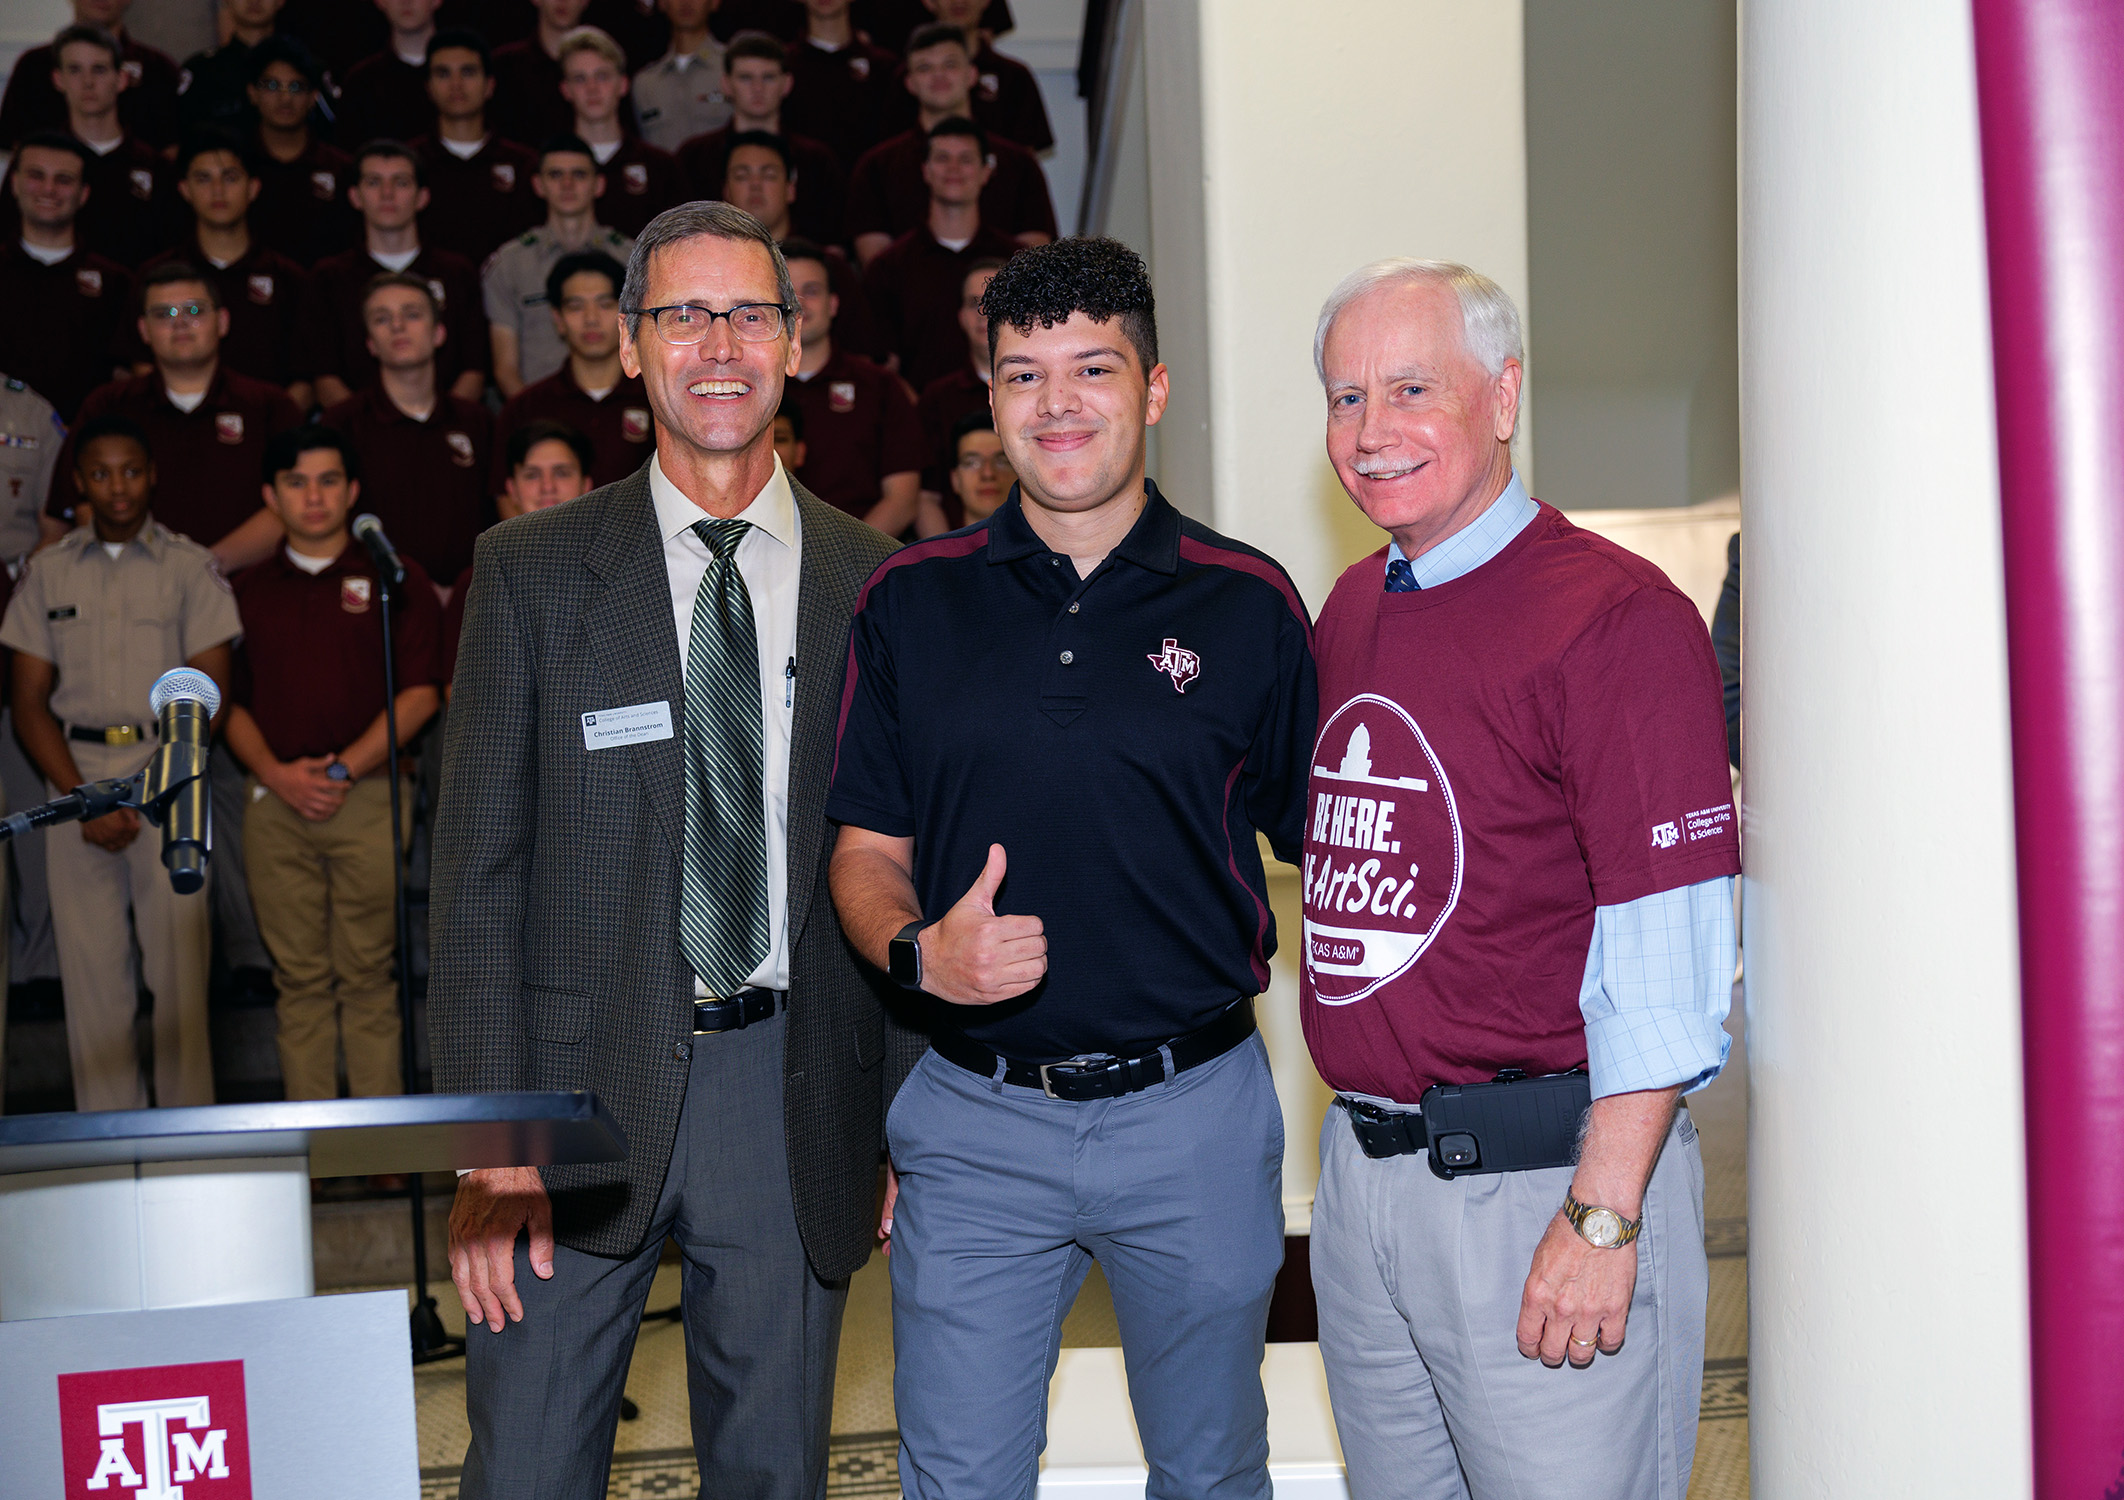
x: 1497, y: 756
x: 859, y: 426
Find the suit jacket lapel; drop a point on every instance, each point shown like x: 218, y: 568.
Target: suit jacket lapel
x: 629, y: 627
x: 828, y: 578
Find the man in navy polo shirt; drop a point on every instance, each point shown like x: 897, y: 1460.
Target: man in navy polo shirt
x: 1061, y: 730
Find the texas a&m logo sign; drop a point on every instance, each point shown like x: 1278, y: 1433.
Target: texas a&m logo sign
x: 1383, y: 850
x: 164, y: 1432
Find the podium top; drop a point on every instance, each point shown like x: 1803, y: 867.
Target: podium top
x: 341, y: 1137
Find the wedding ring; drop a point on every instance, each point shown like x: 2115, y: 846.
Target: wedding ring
x: 1584, y: 1343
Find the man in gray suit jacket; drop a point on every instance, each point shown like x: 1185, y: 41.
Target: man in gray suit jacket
x: 629, y: 897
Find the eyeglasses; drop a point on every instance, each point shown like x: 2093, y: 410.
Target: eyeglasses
x: 291, y: 86
x: 174, y: 312
x: 689, y: 322
x: 977, y: 463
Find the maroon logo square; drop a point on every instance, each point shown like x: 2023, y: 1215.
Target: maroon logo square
x: 162, y: 1432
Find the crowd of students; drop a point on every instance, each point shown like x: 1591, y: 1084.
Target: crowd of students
x: 370, y: 257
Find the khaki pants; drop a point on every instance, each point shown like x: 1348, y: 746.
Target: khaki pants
x: 101, y: 904
x: 322, y: 892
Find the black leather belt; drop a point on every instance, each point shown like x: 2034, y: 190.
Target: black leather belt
x: 116, y: 734
x: 1101, y: 1075
x: 1386, y: 1132
x: 736, y: 1012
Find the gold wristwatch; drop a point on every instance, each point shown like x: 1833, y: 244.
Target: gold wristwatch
x: 1602, y: 1228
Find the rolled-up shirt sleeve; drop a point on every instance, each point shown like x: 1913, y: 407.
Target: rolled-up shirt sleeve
x: 1658, y: 986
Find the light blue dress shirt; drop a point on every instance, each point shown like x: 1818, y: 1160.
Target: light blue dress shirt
x: 1659, y: 972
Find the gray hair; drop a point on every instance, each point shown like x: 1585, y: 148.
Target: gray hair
x: 1489, y: 322
x: 692, y: 221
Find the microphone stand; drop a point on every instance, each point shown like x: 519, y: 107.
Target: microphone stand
x: 430, y: 1341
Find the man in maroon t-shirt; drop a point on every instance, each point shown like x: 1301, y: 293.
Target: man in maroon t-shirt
x: 1521, y: 850
x: 862, y: 440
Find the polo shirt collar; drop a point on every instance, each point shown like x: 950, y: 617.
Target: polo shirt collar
x: 773, y: 509
x: 1152, y: 543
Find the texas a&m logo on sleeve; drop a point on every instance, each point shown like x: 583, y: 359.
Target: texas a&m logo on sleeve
x: 162, y: 1432
x: 1383, y: 850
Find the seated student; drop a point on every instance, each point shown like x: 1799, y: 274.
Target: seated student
x: 980, y: 477
x: 424, y: 453
x: 479, y: 185
x: 760, y: 176
x: 389, y: 193
x: 212, y: 84
x: 148, y: 108
x: 301, y: 209
x: 66, y: 313
x: 756, y: 81
x: 1006, y: 95
x: 863, y: 441
x: 590, y: 393
x: 886, y: 193
x: 527, y: 99
x: 94, y: 621
x: 965, y: 390
x: 308, y: 720
x: 206, y: 424
x: 680, y: 95
x: 843, y: 86
x: 264, y: 294
x: 525, y: 344
x: 915, y: 286
x: 641, y: 181
x: 385, y: 95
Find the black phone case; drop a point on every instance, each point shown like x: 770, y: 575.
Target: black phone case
x: 1511, y: 1125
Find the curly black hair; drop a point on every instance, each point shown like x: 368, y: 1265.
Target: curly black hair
x: 1101, y: 278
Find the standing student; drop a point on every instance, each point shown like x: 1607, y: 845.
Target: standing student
x: 641, y: 180
x: 949, y: 398
x: 66, y: 313
x: 590, y: 393
x: 842, y: 85
x: 680, y: 95
x: 1006, y: 96
x: 308, y: 721
x: 301, y: 209
x: 212, y: 84
x: 526, y: 344
x: 1095, y: 923
x: 385, y: 95
x: 527, y: 98
x: 130, y: 201
x: 148, y: 108
x: 760, y: 176
x: 94, y: 621
x: 479, y: 185
x: 756, y: 79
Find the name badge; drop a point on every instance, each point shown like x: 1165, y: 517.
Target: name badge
x: 627, y: 726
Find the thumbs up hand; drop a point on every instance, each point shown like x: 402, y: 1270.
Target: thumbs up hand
x: 973, y: 956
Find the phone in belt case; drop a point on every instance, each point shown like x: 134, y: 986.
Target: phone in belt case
x: 1513, y: 1123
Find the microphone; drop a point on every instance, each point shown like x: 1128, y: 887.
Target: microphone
x: 369, y: 531
x: 184, y: 702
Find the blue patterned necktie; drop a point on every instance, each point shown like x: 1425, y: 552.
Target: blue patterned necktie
x: 723, y: 887
x: 1401, y: 578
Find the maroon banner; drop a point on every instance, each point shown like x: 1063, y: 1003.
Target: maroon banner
x: 2050, y: 80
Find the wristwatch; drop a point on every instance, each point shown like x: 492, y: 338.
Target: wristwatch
x: 904, y: 957
x: 338, y: 770
x: 1602, y: 1228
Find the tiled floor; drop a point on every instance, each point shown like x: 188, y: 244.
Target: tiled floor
x: 655, y: 1459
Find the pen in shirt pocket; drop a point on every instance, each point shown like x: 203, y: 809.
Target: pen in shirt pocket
x: 789, y: 684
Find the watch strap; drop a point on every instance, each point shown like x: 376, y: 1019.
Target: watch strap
x: 1576, y: 1212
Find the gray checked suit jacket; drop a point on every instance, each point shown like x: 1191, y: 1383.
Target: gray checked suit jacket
x: 555, y: 955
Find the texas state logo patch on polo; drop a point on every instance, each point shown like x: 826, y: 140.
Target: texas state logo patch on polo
x: 1383, y: 850
x: 1176, y: 662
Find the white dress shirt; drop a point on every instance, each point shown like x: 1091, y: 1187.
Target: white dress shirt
x: 767, y: 560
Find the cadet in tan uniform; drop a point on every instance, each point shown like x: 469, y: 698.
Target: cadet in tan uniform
x: 31, y: 435
x: 96, y: 618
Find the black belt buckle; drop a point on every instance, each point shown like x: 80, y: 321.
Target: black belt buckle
x: 1095, y: 1068
x: 734, y: 1012
x: 1384, y: 1133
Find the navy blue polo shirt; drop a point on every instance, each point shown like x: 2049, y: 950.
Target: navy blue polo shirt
x: 1122, y: 737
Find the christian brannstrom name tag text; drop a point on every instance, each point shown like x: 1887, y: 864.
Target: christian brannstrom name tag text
x: 627, y: 726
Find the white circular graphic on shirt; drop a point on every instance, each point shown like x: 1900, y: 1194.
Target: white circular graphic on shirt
x: 1383, y: 850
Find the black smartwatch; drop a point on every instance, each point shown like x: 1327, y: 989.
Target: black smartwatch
x: 905, y: 956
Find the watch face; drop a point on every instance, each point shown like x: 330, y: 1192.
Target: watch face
x: 1603, y: 1227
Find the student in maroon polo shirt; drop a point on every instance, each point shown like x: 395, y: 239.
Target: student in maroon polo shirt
x: 756, y: 80
x: 208, y: 425
x: 980, y: 477
x: 66, y: 313
x: 760, y: 176
x: 389, y: 194
x: 862, y: 439
x: 1006, y: 96
x: 307, y: 718
x: 886, y: 193
x: 890, y: 23
x: 948, y: 398
x: 425, y: 451
x: 148, y: 106
x: 479, y: 185
x: 264, y: 293
x: 640, y: 181
x: 915, y: 286
x: 385, y: 95
x: 844, y: 87
x: 527, y: 99
x: 301, y: 209
x: 590, y: 393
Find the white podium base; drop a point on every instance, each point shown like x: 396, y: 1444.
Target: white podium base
x: 1093, y: 1452
x: 154, y: 1234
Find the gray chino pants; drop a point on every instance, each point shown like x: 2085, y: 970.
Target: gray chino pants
x: 1419, y: 1283
x: 1007, y: 1196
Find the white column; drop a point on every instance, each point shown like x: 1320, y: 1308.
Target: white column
x: 1887, y: 1264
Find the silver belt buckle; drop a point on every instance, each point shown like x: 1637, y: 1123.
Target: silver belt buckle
x: 1080, y: 1061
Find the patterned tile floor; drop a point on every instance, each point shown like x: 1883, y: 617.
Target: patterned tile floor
x: 655, y: 1460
